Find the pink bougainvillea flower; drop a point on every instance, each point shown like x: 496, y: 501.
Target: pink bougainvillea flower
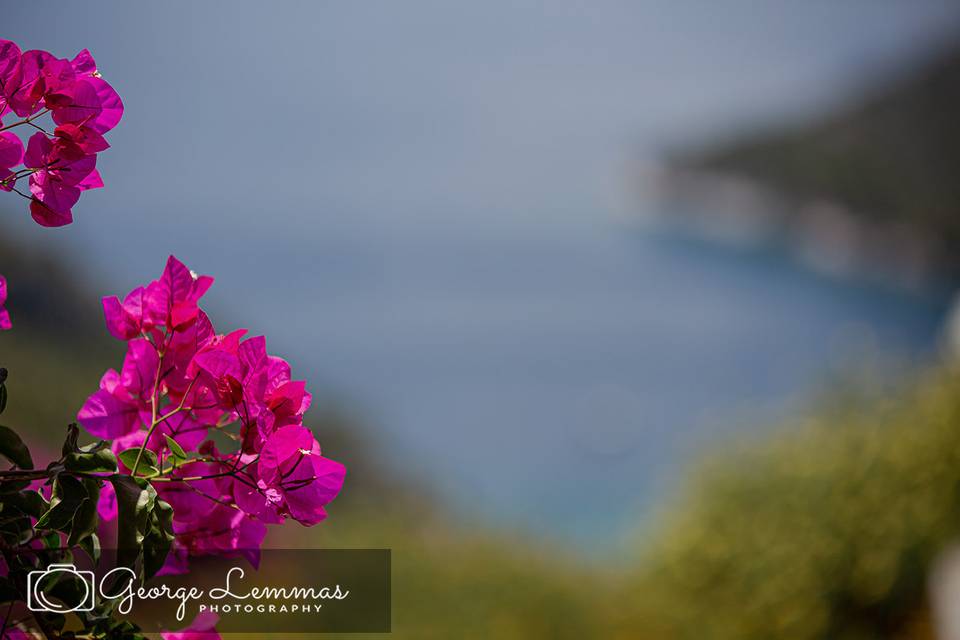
x: 124, y: 401
x: 185, y: 428
x: 9, y: 71
x: 75, y: 102
x: 147, y: 311
x: 84, y: 64
x: 181, y: 348
x: 74, y: 141
x: 52, y: 203
x: 82, y: 105
x: 202, y: 628
x: 11, y: 150
x: 110, y: 412
x: 110, y: 104
x: 287, y: 401
x: 25, y: 91
x: 60, y: 161
x: 179, y: 381
x: 58, y: 180
x: 293, y: 478
x: 107, y: 503
x: 217, y: 365
x: 225, y: 532
x: 11, y: 154
x: 171, y: 301
x: 124, y: 321
x: 139, y: 371
x: 256, y: 385
x: 42, y: 75
x: 194, y: 500
x: 4, y: 315
x: 177, y: 561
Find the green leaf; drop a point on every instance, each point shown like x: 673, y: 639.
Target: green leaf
x: 148, y: 461
x: 91, y: 546
x: 15, y: 530
x: 8, y: 592
x: 86, y: 518
x: 29, y: 502
x: 175, y: 449
x: 159, y: 538
x: 80, y: 521
x: 51, y: 540
x: 93, y: 447
x: 52, y: 620
x: 68, y: 494
x: 70, y: 444
x: 12, y: 486
x: 136, y: 499
x: 102, y: 460
x: 13, y: 449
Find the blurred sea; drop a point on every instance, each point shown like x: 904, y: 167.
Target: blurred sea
x: 557, y: 381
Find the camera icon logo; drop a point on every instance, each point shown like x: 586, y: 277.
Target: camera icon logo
x: 39, y: 581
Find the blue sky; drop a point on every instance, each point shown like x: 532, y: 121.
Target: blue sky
x: 384, y: 113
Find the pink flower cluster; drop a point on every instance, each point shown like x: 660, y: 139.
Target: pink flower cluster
x: 181, y: 380
x: 4, y: 315
x: 83, y: 106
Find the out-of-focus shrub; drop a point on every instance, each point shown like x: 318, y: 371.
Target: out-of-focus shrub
x: 826, y: 531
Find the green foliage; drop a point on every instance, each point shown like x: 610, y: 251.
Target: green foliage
x: 68, y: 494
x: 101, y: 460
x: 473, y: 582
x: 70, y: 521
x: 13, y: 449
x: 136, y: 498
x: 175, y: 449
x: 86, y: 518
x: 147, y: 459
x: 826, y: 531
x: 158, y: 538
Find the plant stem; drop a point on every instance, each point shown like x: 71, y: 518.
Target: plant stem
x: 27, y: 120
x: 154, y: 401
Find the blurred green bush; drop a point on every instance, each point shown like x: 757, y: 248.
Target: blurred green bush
x: 827, y: 530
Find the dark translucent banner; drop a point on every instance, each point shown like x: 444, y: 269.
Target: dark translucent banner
x: 290, y: 591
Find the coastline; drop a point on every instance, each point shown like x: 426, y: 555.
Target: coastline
x: 821, y: 233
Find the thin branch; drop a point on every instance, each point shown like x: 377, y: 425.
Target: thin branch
x: 26, y: 120
x: 154, y: 401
